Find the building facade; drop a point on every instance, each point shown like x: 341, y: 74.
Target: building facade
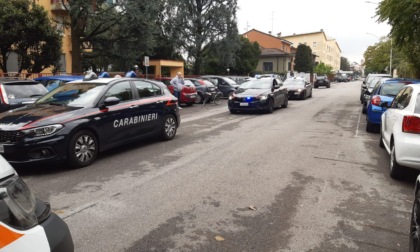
x: 276, y: 53
x: 326, y: 49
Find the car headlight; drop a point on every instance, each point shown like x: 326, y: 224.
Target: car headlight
x: 263, y: 97
x: 20, y: 201
x: 43, y: 131
x: 232, y: 96
x: 299, y: 90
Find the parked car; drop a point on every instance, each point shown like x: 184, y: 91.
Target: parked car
x: 322, y: 80
x: 188, y: 93
x: 203, y: 86
x: 400, y: 130
x: 370, y: 85
x: 52, y: 82
x: 366, y: 82
x: 298, y: 88
x: 342, y: 78
x: 239, y: 79
x: 260, y: 94
x: 226, y: 85
x: 414, y: 233
x: 382, y: 94
x: 27, y: 223
x: 18, y: 92
x: 75, y: 122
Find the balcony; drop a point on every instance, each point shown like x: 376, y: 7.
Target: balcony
x: 59, y: 7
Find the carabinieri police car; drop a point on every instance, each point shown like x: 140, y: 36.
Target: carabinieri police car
x: 76, y: 121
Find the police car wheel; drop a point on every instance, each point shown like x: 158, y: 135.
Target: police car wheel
x: 169, y: 128
x: 83, y: 149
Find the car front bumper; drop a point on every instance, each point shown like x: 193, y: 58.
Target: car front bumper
x: 247, y: 106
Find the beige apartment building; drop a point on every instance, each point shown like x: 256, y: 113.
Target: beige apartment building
x: 325, y: 48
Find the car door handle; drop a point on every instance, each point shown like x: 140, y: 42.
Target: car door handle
x: 160, y: 101
x: 134, y: 106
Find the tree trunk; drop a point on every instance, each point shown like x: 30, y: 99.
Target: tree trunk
x: 76, y: 51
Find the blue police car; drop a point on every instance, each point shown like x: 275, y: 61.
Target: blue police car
x: 78, y: 120
x: 53, y: 82
x: 381, y: 97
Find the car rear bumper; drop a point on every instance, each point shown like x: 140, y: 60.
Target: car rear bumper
x: 374, y: 114
x: 188, y: 97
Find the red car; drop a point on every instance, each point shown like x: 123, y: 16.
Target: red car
x: 188, y: 93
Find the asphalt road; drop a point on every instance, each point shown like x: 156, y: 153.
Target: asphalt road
x: 304, y: 178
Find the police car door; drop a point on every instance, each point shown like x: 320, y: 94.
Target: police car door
x: 150, y: 106
x: 118, y: 122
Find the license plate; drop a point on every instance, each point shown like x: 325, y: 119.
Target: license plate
x: 297, y: 93
x: 193, y: 96
x: 244, y: 104
x: 1, y: 149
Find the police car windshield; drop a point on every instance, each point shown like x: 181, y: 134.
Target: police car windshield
x: 258, y: 84
x: 73, y: 95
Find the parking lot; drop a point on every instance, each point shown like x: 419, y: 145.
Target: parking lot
x: 304, y: 178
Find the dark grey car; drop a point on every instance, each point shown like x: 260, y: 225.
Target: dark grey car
x: 225, y: 85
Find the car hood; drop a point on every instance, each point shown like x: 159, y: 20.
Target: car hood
x: 36, y: 115
x: 294, y: 87
x: 251, y: 92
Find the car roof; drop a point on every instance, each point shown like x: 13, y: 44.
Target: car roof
x: 60, y: 77
x: 399, y: 80
x: 6, y: 80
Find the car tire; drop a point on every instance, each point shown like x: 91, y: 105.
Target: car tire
x: 304, y: 95
x: 395, y: 169
x: 414, y: 224
x: 286, y: 102
x: 270, y: 106
x: 329, y: 86
x: 199, y: 99
x: 169, y: 128
x: 82, y: 149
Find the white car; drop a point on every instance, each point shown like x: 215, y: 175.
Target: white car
x: 27, y: 223
x: 400, y: 130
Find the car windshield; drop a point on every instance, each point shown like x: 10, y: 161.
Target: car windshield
x: 19, y: 90
x: 373, y: 81
x: 321, y: 77
x: 294, y: 82
x: 258, y: 84
x: 73, y: 95
x: 391, y: 89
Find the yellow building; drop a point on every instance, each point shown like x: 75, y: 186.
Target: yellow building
x: 59, y: 15
x: 327, y: 49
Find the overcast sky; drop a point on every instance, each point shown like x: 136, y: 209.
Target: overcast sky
x: 348, y: 21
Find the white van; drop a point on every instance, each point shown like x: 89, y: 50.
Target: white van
x: 27, y: 223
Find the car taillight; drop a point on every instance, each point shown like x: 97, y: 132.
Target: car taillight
x: 376, y: 100
x: 201, y: 82
x: 411, y: 124
x: 3, y: 96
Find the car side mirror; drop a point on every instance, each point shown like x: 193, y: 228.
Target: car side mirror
x: 109, y: 102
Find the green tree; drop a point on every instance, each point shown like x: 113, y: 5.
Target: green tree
x: 118, y: 34
x: 194, y: 24
x: 403, y: 17
x: 344, y: 64
x: 303, y: 60
x: 247, y: 57
x: 26, y: 30
x: 377, y: 57
x: 323, y: 68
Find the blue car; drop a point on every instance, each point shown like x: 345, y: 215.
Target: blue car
x: 52, y: 82
x: 381, y: 98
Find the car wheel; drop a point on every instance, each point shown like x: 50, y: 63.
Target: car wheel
x: 304, y: 95
x: 329, y: 85
x: 414, y: 224
x: 83, y: 149
x: 270, y: 106
x: 395, y: 169
x: 286, y: 102
x: 198, y: 99
x: 169, y: 128
x: 370, y: 127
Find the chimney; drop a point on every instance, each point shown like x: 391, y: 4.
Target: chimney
x: 269, y: 32
x: 279, y: 34
x: 322, y: 30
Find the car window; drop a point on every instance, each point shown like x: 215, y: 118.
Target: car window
x: 391, y: 89
x: 417, y: 109
x: 188, y: 83
x: 376, y: 87
x: 402, y: 99
x: 20, y: 90
x: 146, y: 89
x: 121, y: 90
